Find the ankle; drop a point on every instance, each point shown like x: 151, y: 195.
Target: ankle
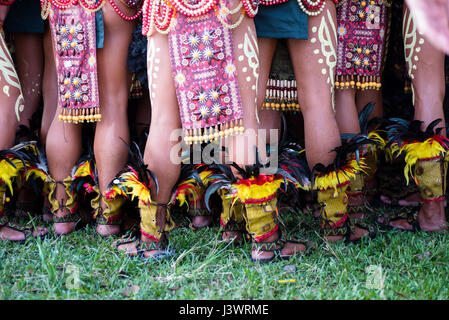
x: 146, y: 239
x: 271, y: 238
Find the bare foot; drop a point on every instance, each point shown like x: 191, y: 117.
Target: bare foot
x: 47, y: 217
x: 62, y: 228
x: 401, y: 224
x: 356, y: 201
x: 431, y: 217
x: 357, y: 234
x: 289, y: 249
x: 412, y: 200
x: 106, y: 230
x: 9, y: 233
x: 202, y: 221
x: 131, y: 248
x: 235, y: 237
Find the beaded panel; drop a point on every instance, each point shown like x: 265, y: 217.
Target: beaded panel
x: 205, y: 75
x: 73, y: 35
x: 361, y: 41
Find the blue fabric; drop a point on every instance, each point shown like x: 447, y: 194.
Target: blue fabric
x: 99, y: 28
x: 281, y: 21
x: 25, y: 16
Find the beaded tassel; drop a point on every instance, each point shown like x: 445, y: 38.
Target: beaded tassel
x: 214, y: 133
x: 281, y: 95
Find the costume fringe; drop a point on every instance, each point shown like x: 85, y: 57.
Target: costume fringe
x: 129, y: 185
x: 433, y: 147
x: 357, y: 81
x: 407, y: 137
x: 281, y: 95
x: 9, y: 169
x: 259, y: 189
x: 14, y: 162
x: 340, y: 176
x: 200, y: 135
x: 191, y: 186
x: 79, y: 115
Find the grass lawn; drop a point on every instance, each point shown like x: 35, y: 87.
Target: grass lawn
x: 413, y: 266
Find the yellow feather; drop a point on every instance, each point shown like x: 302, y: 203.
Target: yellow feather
x: 334, y: 179
x: 135, y: 188
x: 38, y: 174
x: 113, y: 192
x: 83, y: 170
x: 257, y: 192
x: 374, y: 136
x: 419, y: 150
x: 8, y: 171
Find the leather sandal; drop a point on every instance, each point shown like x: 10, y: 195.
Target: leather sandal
x: 26, y: 231
x: 277, y: 246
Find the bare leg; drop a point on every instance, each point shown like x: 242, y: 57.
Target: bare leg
x: 244, y: 37
x: 10, y: 101
x: 366, y: 96
x: 269, y: 119
x: 309, y: 58
x: 111, y: 153
x: 63, y: 151
x: 426, y: 69
x: 316, y: 58
x: 142, y: 112
x: 29, y: 61
x: 49, y: 86
x: 247, y: 64
x: 29, y: 57
x: 165, y: 120
x: 346, y: 111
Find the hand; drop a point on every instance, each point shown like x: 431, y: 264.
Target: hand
x: 432, y: 19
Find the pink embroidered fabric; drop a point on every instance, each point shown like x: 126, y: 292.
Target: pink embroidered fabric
x: 361, y: 43
x: 205, y: 75
x: 74, y: 40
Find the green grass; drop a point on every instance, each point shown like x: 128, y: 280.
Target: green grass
x: 414, y: 266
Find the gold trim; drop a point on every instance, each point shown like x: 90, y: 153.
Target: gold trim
x: 359, y: 82
x: 80, y: 115
x: 209, y: 134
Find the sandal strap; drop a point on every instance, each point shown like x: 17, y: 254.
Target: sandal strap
x: 268, y: 246
x: 27, y: 232
x: 342, y: 230
x: 104, y: 221
x: 278, y: 244
x: 149, y: 246
x: 355, y: 209
x: 3, y: 220
x: 125, y: 239
x: 329, y: 228
x: 199, y: 212
x: 65, y: 219
x: 409, y: 213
